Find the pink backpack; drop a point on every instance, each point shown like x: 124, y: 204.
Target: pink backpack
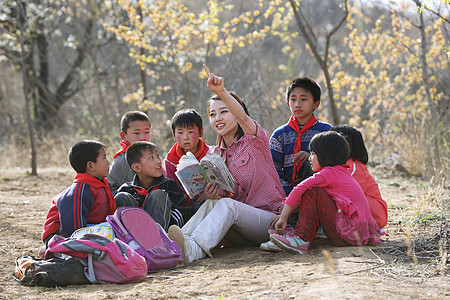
x: 136, y: 227
x: 105, y: 261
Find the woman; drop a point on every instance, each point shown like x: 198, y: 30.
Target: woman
x: 244, y: 146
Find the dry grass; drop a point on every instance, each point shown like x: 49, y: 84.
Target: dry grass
x: 425, y: 251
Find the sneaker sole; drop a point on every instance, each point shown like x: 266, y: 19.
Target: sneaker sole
x: 287, y: 247
x: 174, y: 233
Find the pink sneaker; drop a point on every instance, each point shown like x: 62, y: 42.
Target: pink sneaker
x: 289, y: 230
x: 290, y: 242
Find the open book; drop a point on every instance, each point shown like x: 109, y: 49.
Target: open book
x: 195, y: 175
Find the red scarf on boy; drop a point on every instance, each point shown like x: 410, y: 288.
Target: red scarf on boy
x: 96, y: 183
x: 298, y: 143
x: 125, y: 144
x: 176, y: 152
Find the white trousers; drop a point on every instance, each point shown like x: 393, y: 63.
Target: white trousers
x: 209, y: 225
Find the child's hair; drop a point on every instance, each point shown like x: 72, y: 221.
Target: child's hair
x: 131, y: 116
x: 83, y: 152
x: 305, y: 83
x: 136, y: 150
x: 185, y: 118
x: 355, y: 139
x: 331, y: 148
x: 240, y: 131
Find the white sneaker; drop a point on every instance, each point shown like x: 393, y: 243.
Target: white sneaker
x: 269, y: 246
x: 189, y: 247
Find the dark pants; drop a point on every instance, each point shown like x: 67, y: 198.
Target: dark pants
x: 317, y: 207
x: 156, y: 203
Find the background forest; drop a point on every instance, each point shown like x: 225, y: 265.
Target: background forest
x: 70, y: 69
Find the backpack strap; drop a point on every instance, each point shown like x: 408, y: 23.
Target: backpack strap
x: 89, y: 271
x: 117, y: 222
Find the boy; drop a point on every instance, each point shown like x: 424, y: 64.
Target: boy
x: 187, y: 130
x: 161, y: 197
x: 135, y: 126
x: 289, y: 143
x: 88, y: 200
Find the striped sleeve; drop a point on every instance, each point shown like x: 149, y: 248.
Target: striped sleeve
x: 74, y: 209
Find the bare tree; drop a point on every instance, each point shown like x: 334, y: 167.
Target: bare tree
x: 310, y: 37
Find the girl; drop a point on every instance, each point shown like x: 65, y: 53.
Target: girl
x: 244, y: 146
x: 356, y: 166
x: 330, y: 197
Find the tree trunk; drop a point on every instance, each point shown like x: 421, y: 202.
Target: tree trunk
x: 42, y: 77
x: 435, y: 116
x: 142, y: 72
x: 26, y: 61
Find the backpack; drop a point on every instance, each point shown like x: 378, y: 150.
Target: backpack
x: 105, y: 261
x: 32, y: 271
x: 135, y: 227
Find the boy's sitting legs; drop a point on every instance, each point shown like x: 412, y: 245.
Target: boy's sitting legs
x: 125, y: 199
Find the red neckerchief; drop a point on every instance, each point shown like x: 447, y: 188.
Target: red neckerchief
x: 125, y: 144
x: 176, y: 152
x: 298, y: 143
x: 144, y: 192
x: 96, y: 183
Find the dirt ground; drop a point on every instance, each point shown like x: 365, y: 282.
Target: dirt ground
x: 328, y: 272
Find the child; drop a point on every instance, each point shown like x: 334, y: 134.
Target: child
x: 88, y: 200
x: 356, y: 166
x: 135, y: 127
x: 161, y: 197
x: 187, y: 130
x: 289, y: 143
x: 331, y: 198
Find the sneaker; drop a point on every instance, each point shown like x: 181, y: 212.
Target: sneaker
x: 189, y: 247
x: 289, y: 229
x: 269, y: 246
x: 291, y: 243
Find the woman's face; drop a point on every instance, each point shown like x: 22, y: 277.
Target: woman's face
x: 222, y: 120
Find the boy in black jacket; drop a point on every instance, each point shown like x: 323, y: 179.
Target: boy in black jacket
x: 161, y: 197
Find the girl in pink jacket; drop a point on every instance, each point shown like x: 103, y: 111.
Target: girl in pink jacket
x: 330, y: 198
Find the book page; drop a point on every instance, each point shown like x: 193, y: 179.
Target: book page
x: 192, y: 179
x: 187, y: 160
x: 217, y: 172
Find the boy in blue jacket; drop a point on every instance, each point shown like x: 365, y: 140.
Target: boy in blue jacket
x: 289, y: 144
x: 88, y: 200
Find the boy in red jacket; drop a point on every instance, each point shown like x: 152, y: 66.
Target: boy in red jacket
x: 88, y: 200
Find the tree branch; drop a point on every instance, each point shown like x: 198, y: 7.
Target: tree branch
x: 334, y: 30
